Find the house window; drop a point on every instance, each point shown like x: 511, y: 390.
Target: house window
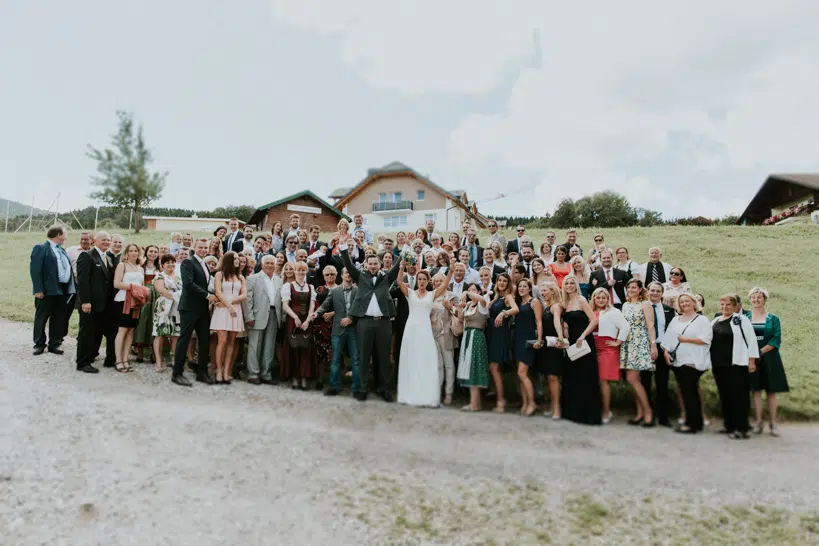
x: 433, y: 217
x: 382, y: 197
x: 397, y: 196
x: 420, y: 195
x: 395, y: 221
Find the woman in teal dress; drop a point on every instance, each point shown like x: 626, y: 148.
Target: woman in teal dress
x: 769, y: 375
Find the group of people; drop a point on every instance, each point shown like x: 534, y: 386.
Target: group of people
x: 443, y: 312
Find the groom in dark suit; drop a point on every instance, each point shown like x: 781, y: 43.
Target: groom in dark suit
x: 194, y: 315
x: 95, y: 295
x: 372, y: 309
x: 612, y: 279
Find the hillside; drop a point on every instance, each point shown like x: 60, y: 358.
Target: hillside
x: 716, y: 260
x: 17, y: 209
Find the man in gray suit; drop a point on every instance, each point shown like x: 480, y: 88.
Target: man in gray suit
x: 372, y: 309
x: 263, y: 312
x: 343, y: 335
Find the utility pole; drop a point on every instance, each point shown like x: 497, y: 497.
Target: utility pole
x: 31, y: 215
x: 7, y: 215
x: 130, y: 219
x: 57, y: 208
x: 96, y: 217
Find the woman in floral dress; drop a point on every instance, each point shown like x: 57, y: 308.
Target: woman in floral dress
x: 639, y: 351
x: 166, y: 315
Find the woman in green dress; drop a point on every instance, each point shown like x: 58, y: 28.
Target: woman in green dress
x: 143, y: 333
x: 473, y: 364
x: 770, y: 372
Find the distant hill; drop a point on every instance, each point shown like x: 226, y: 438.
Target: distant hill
x: 17, y: 209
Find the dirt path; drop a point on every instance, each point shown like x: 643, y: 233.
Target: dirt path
x: 131, y: 459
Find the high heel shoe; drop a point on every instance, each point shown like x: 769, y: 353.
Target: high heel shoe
x: 636, y: 422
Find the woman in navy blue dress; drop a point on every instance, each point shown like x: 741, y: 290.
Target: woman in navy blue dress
x: 528, y: 328
x: 497, y: 333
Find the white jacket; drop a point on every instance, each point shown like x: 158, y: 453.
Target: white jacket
x: 613, y: 324
x: 743, y: 349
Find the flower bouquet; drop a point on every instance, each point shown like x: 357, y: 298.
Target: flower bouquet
x: 407, y: 257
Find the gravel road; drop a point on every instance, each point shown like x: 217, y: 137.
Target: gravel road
x: 131, y: 459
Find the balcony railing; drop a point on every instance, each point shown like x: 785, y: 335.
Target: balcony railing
x: 385, y: 206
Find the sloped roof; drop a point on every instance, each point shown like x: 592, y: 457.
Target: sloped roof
x: 766, y: 192
x: 306, y: 193
x: 393, y: 168
x: 338, y: 193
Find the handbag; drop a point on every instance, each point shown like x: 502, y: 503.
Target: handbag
x: 673, y: 353
x: 573, y: 352
x: 298, y: 340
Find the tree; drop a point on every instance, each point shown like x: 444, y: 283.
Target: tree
x: 565, y: 215
x: 604, y: 209
x: 122, y: 170
x: 648, y: 218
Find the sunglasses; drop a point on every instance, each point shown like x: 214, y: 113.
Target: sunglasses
x: 598, y: 240
x: 521, y: 230
x: 676, y: 274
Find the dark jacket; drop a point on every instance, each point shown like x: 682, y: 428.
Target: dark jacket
x: 369, y: 285
x: 95, y: 280
x: 194, y: 296
x: 335, y: 303
x: 598, y: 279
x: 44, y: 271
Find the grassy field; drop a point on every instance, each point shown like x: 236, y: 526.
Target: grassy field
x: 716, y: 260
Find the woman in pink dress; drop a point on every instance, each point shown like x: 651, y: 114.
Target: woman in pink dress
x: 612, y: 329
x: 227, y: 320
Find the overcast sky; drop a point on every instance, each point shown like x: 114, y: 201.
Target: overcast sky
x: 684, y: 107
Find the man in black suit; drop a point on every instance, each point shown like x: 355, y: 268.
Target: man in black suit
x: 95, y: 295
x: 232, y: 236
x: 245, y: 242
x: 194, y: 315
x: 52, y: 281
x: 475, y: 250
x: 514, y: 244
x: 372, y: 308
x: 489, y: 261
x: 313, y: 244
x: 610, y: 278
x: 663, y: 315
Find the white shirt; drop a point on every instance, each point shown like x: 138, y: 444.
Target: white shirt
x: 633, y: 268
x: 270, y: 286
x: 472, y: 276
x: 613, y: 324
x: 204, y: 266
x: 457, y: 288
x: 609, y: 274
x: 691, y: 354
x: 659, y: 315
x: 104, y: 255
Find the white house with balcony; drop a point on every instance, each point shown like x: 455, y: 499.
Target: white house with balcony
x: 397, y: 198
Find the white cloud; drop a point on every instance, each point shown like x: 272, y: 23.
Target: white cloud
x: 616, y: 80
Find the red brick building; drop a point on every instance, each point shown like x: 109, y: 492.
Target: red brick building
x: 311, y: 208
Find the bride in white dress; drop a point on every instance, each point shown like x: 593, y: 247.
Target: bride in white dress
x: 418, y: 380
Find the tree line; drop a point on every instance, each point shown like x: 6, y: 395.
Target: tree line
x: 606, y: 209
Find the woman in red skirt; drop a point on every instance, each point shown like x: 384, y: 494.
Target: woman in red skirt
x: 612, y: 329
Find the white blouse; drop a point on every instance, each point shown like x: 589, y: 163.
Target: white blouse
x: 690, y: 354
x: 612, y: 324
x: 305, y: 288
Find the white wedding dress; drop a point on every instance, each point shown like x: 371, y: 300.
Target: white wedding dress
x: 418, y: 381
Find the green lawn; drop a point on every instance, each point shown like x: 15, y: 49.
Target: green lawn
x: 716, y: 260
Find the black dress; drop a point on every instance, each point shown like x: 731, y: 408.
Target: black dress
x: 525, y: 330
x: 580, y: 401
x: 550, y: 360
x: 497, y: 339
